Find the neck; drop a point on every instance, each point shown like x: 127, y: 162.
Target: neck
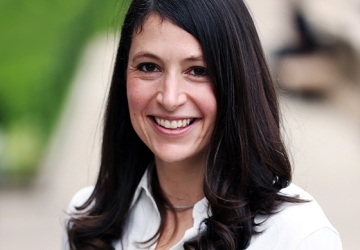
x: 181, y: 182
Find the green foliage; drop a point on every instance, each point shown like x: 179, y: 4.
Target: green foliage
x: 40, y: 42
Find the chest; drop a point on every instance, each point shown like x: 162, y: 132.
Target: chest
x: 144, y: 222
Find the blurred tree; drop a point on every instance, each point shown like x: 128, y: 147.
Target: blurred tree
x: 40, y: 42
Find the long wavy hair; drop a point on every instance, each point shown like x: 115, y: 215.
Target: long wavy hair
x: 246, y: 162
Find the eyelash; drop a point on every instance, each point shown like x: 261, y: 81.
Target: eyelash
x: 156, y: 69
x: 140, y: 67
x: 204, y: 73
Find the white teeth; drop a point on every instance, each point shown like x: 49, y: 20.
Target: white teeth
x: 179, y: 124
x: 167, y: 124
x: 184, y: 122
x: 173, y: 124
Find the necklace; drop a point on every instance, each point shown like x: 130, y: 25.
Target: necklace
x: 181, y: 207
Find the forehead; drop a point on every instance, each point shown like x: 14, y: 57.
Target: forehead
x: 156, y: 32
x: 150, y: 18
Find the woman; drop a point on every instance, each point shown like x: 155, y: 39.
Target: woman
x: 192, y: 156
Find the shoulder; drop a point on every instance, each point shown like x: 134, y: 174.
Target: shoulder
x: 306, y: 216
x: 79, y: 199
x: 297, y: 225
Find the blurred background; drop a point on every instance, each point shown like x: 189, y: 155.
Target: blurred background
x: 55, y: 66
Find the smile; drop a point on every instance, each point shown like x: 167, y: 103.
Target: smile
x: 173, y: 124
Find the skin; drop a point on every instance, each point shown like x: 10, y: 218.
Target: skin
x: 167, y: 80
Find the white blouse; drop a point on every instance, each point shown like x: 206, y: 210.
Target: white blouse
x: 297, y: 226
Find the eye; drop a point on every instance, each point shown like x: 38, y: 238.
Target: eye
x: 148, y: 67
x: 198, y: 71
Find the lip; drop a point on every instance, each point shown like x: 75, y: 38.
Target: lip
x: 172, y: 132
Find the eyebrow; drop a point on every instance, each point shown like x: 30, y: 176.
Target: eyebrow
x: 194, y: 59
x: 153, y: 56
x: 146, y: 54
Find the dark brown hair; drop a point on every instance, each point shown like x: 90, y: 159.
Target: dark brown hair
x: 246, y: 163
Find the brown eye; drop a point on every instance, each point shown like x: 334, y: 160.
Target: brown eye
x: 198, y: 71
x: 148, y: 67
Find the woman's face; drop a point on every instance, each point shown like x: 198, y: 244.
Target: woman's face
x: 171, y: 100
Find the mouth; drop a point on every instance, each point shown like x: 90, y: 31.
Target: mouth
x: 173, y: 124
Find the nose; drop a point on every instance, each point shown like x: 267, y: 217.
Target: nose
x: 171, y: 94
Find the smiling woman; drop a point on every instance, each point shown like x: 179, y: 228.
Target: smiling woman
x: 192, y: 155
x: 171, y: 100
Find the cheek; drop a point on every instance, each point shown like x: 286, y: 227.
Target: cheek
x: 208, y: 104
x: 134, y: 100
x: 139, y: 100
x: 210, y: 111
x: 134, y: 104
x: 212, y: 106
x: 134, y: 96
x: 135, y: 107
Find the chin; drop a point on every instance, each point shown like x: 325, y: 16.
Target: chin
x: 170, y: 159
x: 172, y: 156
